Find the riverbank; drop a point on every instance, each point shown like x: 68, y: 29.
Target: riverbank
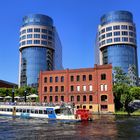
x: 135, y: 113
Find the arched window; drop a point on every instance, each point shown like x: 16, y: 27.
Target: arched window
x: 45, y: 98
x: 45, y: 80
x: 51, y: 99
x: 56, y: 79
x: 84, y: 98
x: 103, y: 76
x: 62, y: 78
x: 51, y: 88
x: 90, y: 77
x: 78, y: 98
x: 104, y: 98
x: 72, y: 98
x: 62, y: 98
x: 90, y: 88
x: 90, y: 98
x: 56, y: 88
x: 45, y: 89
x: 56, y: 98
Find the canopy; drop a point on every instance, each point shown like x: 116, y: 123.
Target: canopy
x: 8, y: 97
x: 17, y: 97
x: 1, y: 97
x: 33, y: 96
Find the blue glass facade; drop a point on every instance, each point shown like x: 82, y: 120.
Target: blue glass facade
x: 40, y: 49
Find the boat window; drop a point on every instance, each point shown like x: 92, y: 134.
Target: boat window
x: 28, y: 110
x: 20, y: 110
x: 32, y: 111
x: 40, y: 112
x: 45, y: 112
x: 36, y: 111
x: 50, y: 112
x: 57, y: 111
x: 24, y: 110
x: 17, y: 110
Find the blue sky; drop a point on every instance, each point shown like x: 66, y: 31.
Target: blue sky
x: 76, y: 22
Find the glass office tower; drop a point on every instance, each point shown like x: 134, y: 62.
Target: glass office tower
x: 40, y: 49
x: 116, y: 42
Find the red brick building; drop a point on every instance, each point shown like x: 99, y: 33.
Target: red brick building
x: 89, y: 88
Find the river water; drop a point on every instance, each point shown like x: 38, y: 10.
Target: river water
x: 102, y: 128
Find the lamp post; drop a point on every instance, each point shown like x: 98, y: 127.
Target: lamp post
x: 13, y: 99
x: 25, y: 95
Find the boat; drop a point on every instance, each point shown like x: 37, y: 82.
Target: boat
x: 66, y: 113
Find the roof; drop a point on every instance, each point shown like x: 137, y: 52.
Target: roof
x: 7, y: 84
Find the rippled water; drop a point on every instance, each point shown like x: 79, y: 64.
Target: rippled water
x: 102, y: 128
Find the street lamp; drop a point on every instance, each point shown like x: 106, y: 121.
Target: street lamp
x: 13, y: 95
x: 25, y: 95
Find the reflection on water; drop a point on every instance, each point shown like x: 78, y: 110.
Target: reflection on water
x: 102, y: 128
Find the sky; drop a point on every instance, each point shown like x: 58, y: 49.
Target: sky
x: 76, y: 22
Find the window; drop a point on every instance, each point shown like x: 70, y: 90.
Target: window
x: 62, y: 98
x: 84, y: 77
x: 51, y: 99
x: 103, y: 107
x: 29, y: 41
x: 36, y: 30
x: 62, y: 78
x: 90, y: 88
x: 124, y: 33
x: 125, y: 39
x: 43, y: 42
x: 84, y: 88
x: 103, y: 42
x: 72, y: 88
x: 90, y: 107
x: 51, y: 79
x: 108, y: 34
x: 78, y: 88
x: 78, y: 98
x: 117, y: 39
x: 103, y: 76
x: 36, y: 41
x: 131, y: 28
x: 56, y: 98
x: 23, y: 31
x: 103, y: 30
x: 104, y: 98
x: 56, y: 79
x: 29, y: 36
x: 105, y: 87
x: 131, y: 40
x: 49, y: 43
x: 102, y: 87
x: 56, y: 88
x: 117, y: 27
x: 84, y: 98
x: 103, y: 36
x: 109, y: 28
x: 49, y: 38
x: 44, y: 31
x: 44, y: 36
x: 50, y: 32
x: 131, y: 33
x: 78, y: 77
x: 45, y: 89
x: 72, y: 78
x: 90, y: 98
x: 29, y: 30
x: 51, y: 88
x: 124, y: 27
x: 90, y: 77
x: 23, y: 42
x: 45, y: 98
x: 72, y: 98
x: 45, y: 80
x: 116, y: 33
x: 36, y: 35
x: 62, y: 88
x: 84, y: 107
x: 23, y: 37
x: 109, y: 40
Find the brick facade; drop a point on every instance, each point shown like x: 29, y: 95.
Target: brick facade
x: 89, y: 88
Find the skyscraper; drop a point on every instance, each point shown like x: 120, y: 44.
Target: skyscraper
x: 40, y: 48
x: 116, y: 42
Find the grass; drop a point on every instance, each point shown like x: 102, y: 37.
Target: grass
x: 135, y: 113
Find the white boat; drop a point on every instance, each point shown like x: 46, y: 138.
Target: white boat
x: 51, y: 113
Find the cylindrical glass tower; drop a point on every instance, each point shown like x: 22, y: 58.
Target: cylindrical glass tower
x: 117, y: 42
x: 37, y: 48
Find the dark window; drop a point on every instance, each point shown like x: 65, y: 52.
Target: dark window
x: 117, y: 27
x: 90, y: 98
x: 51, y: 79
x: 109, y: 28
x: 23, y: 31
x: 62, y: 78
x: 78, y: 98
x: 49, y: 38
x: 78, y: 78
x: 29, y: 30
x: 124, y: 27
x: 51, y: 99
x: 36, y: 35
x: 51, y: 88
x: 84, y: 98
x: 90, y: 77
x: 44, y: 31
x: 43, y: 42
x: 36, y: 30
x: 45, y: 89
x: 103, y: 36
x: 103, y: 30
x: 29, y: 41
x: 125, y: 39
x: 29, y: 36
x: 45, y: 98
x: 131, y: 28
x: 36, y: 41
x: 124, y: 33
x: 72, y: 88
x: 62, y: 88
x: 104, y: 98
x: 116, y: 33
x: 45, y: 80
x: 117, y: 39
x: 72, y: 78
x: 131, y: 33
x: 44, y: 36
x: 103, y: 76
x: 108, y: 34
x: 84, y: 107
x: 56, y: 98
x: 56, y: 88
x: 84, y: 77
x: 56, y: 79
x: 109, y: 40
x: 62, y: 98
x: 72, y: 98
x: 50, y: 32
x: 104, y: 107
x: 90, y: 107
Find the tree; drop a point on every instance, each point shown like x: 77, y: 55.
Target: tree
x: 135, y: 92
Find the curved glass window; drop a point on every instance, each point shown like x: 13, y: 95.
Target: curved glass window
x: 36, y: 35
x: 29, y: 36
x: 36, y: 41
x: 44, y: 31
x: 44, y: 36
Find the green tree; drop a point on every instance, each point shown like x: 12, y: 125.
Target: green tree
x: 135, y: 92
